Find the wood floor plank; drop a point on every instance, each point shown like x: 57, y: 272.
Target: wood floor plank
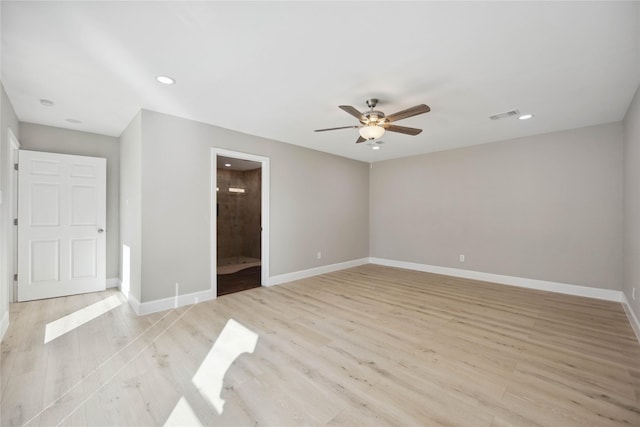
x: 370, y: 345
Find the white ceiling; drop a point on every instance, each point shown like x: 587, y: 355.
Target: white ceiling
x: 280, y: 70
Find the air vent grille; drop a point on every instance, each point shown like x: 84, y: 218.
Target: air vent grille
x: 504, y: 115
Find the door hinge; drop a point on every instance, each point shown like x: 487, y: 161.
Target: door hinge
x: 15, y: 277
x: 15, y: 166
x: 15, y: 221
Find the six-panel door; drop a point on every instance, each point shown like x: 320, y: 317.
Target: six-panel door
x: 61, y: 225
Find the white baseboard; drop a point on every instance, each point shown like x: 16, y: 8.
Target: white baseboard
x: 635, y: 324
x: 563, y: 288
x: 172, y: 302
x: 4, y: 324
x: 543, y: 285
x: 133, y: 302
x: 142, y: 308
x: 303, y: 274
x: 113, y: 282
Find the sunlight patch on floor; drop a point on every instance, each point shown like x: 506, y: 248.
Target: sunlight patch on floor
x: 78, y: 318
x: 233, y: 341
x: 183, y: 415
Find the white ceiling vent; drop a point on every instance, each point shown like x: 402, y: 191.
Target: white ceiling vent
x: 504, y: 115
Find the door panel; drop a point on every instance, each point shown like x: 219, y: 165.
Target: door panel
x: 61, y: 221
x: 83, y: 205
x: 45, y: 167
x: 45, y: 261
x: 45, y: 204
x: 84, y: 260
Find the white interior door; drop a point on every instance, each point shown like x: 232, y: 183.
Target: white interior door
x: 61, y: 225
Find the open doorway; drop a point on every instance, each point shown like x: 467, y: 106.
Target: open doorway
x: 239, y: 260
x: 238, y: 224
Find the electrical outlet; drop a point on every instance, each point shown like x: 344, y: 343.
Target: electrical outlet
x: 461, y: 258
x: 319, y: 255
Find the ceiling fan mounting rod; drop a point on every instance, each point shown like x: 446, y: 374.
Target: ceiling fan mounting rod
x: 372, y: 117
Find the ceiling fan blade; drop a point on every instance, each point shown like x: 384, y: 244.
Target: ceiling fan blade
x: 409, y: 112
x: 360, y: 139
x: 342, y: 127
x: 351, y: 110
x: 402, y: 129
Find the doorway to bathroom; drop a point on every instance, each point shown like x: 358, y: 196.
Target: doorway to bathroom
x: 239, y: 222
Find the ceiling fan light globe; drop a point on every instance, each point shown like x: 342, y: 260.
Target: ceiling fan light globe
x: 371, y: 132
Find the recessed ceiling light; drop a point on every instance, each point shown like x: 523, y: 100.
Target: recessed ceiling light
x: 74, y: 121
x: 47, y: 102
x: 165, y: 80
x: 228, y: 165
x: 525, y: 117
x: 375, y: 147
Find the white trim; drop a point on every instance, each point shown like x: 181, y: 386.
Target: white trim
x: 635, y: 324
x: 171, y: 303
x: 133, y: 302
x: 4, y: 325
x: 303, y: 274
x: 11, y: 247
x: 113, y: 282
x: 543, y: 285
x: 264, y: 212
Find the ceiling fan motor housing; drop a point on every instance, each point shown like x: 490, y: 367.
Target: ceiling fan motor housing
x: 373, y: 117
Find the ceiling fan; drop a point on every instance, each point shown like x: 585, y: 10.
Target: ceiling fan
x: 374, y: 123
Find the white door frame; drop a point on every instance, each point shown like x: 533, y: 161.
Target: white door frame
x: 12, y: 213
x: 264, y: 250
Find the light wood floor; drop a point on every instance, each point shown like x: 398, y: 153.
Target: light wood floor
x: 366, y: 346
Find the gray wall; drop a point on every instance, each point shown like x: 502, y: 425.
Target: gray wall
x: 546, y: 207
x: 319, y: 202
x: 36, y: 137
x: 131, y: 207
x: 632, y: 203
x: 8, y: 120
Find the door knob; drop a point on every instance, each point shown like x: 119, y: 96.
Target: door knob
x: 100, y: 230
